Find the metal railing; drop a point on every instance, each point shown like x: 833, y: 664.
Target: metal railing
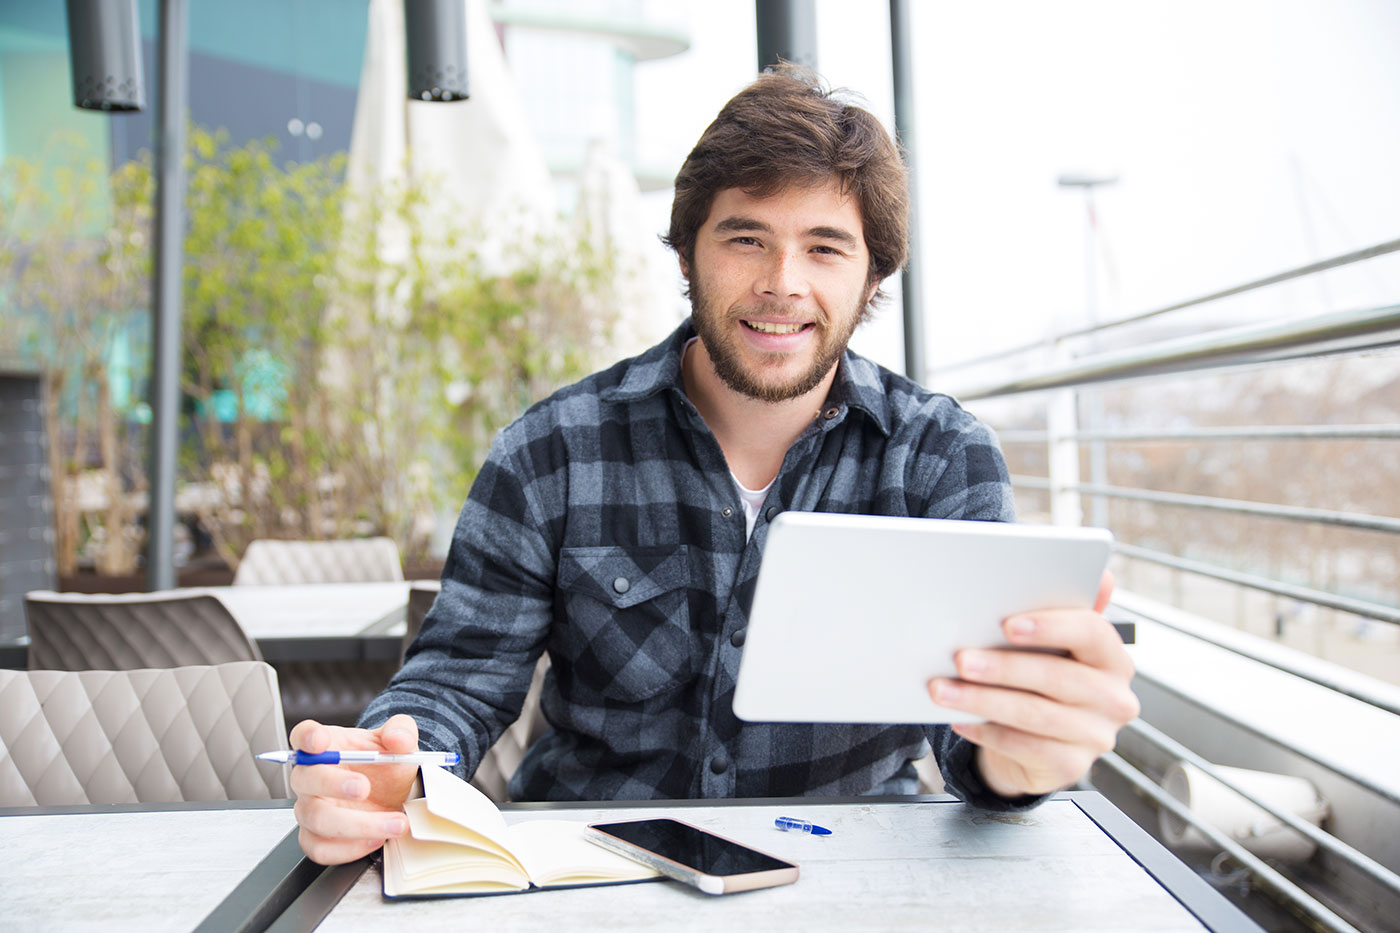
x: 1257, y: 867
x: 1335, y: 262
x: 1305, y: 337
x: 1314, y: 336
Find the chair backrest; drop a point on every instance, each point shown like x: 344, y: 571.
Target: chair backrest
x: 421, y: 597
x: 75, y: 632
x: 143, y: 736
x: 360, y: 560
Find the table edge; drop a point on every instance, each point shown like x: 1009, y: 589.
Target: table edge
x: 1215, y: 912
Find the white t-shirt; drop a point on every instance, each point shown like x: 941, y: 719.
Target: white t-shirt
x: 752, y: 498
x: 753, y: 501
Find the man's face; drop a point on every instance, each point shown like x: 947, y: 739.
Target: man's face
x: 778, y: 286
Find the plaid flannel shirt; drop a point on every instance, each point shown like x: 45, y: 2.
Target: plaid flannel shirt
x: 605, y: 528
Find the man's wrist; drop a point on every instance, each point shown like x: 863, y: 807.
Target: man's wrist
x: 983, y: 764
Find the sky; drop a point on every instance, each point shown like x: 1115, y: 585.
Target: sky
x: 1247, y: 136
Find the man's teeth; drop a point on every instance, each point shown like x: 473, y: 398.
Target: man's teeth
x: 763, y: 327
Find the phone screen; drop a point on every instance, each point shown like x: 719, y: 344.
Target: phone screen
x: 694, y: 848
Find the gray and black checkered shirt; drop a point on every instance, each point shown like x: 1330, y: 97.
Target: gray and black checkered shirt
x: 605, y: 528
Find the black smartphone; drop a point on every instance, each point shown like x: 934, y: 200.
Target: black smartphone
x: 687, y: 853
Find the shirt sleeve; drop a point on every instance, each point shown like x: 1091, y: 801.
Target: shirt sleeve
x: 466, y: 675
x: 970, y: 480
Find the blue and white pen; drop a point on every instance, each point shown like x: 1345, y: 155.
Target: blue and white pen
x: 357, y: 757
x: 787, y: 823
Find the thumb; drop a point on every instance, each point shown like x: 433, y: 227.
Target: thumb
x: 399, y: 734
x: 1100, y: 601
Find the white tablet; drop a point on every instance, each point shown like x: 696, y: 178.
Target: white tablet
x: 854, y: 614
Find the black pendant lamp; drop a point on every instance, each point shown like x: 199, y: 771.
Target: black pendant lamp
x: 104, y: 40
x: 436, y: 33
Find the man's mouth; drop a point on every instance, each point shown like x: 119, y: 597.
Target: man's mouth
x: 768, y: 327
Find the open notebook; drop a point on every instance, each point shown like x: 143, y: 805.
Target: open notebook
x: 459, y: 844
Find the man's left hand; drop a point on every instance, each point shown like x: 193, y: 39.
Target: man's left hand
x: 1049, y: 716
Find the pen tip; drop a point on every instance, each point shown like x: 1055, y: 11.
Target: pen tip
x: 820, y: 831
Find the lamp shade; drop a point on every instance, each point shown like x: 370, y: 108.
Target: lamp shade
x: 104, y: 42
x: 436, y: 33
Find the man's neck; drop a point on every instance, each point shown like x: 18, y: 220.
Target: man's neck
x: 754, y: 435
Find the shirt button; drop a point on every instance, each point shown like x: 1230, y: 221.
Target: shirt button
x: 726, y: 511
x: 621, y: 585
x: 773, y: 510
x: 737, y: 639
x: 719, y: 764
x: 831, y: 413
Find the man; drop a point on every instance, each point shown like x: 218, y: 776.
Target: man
x: 619, y: 526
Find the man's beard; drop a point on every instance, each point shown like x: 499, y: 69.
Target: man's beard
x: 724, y: 351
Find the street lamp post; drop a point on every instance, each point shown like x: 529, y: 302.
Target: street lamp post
x: 1087, y: 182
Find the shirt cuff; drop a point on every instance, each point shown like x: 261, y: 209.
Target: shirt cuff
x: 958, y: 762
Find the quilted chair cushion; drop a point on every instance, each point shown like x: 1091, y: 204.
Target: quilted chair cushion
x: 362, y: 560
x: 144, y: 736
x: 74, y: 632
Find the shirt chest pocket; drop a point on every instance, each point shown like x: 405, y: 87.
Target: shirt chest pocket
x: 624, y: 620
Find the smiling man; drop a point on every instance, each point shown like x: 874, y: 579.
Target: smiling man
x: 619, y: 525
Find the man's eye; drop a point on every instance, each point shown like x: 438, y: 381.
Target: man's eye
x: 827, y: 250
x: 745, y: 241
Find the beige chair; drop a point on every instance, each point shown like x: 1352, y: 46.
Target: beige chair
x: 142, y: 736
x: 76, y: 631
x: 360, y: 560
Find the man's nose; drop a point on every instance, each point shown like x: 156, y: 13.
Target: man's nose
x: 783, y: 276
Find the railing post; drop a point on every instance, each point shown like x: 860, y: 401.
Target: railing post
x: 1062, y: 424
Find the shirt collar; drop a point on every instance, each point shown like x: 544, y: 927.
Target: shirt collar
x: 655, y: 370
x: 858, y: 383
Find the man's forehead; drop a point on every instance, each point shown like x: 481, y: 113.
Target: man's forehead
x: 821, y: 204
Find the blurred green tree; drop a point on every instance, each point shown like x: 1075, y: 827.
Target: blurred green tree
x: 347, y: 357
x: 76, y: 274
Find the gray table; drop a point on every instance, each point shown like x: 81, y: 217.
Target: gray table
x: 138, y: 868
x: 1074, y: 864
x: 309, y: 610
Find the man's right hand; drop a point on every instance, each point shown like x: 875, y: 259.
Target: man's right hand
x: 344, y: 811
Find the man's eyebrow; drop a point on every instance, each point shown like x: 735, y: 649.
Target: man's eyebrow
x: 751, y: 225
x: 742, y: 225
x: 834, y: 233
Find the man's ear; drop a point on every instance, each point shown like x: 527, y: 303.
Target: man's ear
x: 685, y: 268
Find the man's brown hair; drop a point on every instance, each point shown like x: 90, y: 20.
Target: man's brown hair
x: 785, y: 129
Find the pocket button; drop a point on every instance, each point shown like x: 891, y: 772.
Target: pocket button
x: 621, y: 585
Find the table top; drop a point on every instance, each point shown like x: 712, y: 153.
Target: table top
x: 316, y: 609
x: 136, y: 870
x: 885, y: 866
x: 1073, y: 864
x: 303, y: 621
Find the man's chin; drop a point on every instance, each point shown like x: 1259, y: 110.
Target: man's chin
x: 773, y: 390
